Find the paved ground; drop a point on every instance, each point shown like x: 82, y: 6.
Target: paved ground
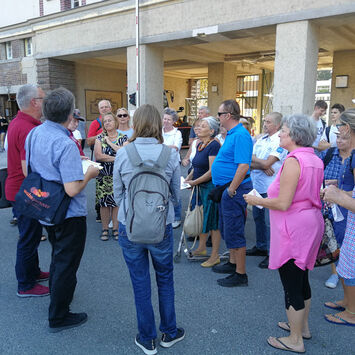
x: 217, y: 320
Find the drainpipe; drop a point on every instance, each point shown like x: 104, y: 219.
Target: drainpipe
x: 137, y: 56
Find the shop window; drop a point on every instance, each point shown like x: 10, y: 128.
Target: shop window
x: 8, y: 47
x: 28, y: 47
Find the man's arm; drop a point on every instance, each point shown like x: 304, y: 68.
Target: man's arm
x: 239, y: 176
x: 263, y: 164
x: 74, y: 187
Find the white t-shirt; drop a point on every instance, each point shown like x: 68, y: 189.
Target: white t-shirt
x: 77, y: 134
x: 263, y: 148
x: 320, y: 130
x: 332, y: 136
x: 173, y: 137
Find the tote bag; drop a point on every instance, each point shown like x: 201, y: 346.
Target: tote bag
x: 193, y: 223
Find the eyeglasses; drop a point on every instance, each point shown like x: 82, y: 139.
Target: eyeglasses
x: 122, y: 115
x: 38, y: 98
x: 221, y: 113
x: 340, y: 124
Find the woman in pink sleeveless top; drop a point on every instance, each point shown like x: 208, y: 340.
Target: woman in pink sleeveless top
x: 296, y: 225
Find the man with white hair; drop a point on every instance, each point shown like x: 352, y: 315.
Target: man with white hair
x: 29, y: 99
x: 203, y: 111
x: 267, y: 160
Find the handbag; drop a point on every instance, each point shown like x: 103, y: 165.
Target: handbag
x: 4, y: 203
x: 41, y: 199
x: 329, y: 250
x: 193, y: 224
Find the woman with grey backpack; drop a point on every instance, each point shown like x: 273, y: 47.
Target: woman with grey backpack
x: 146, y: 181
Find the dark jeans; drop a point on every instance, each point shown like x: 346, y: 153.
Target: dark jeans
x: 27, y: 264
x: 68, y: 242
x: 137, y: 259
x: 262, y: 226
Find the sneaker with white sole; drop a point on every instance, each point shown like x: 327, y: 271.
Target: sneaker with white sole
x: 37, y: 291
x: 176, y: 224
x: 332, y: 282
x: 148, y: 347
x: 167, y: 341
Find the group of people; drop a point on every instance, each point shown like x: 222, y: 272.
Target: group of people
x: 230, y: 171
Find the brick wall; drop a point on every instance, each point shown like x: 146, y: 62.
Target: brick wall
x: 11, y: 74
x: 18, y: 48
x: 41, y: 10
x: 65, y: 5
x: 52, y: 73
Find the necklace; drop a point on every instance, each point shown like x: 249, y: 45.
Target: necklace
x: 202, y: 146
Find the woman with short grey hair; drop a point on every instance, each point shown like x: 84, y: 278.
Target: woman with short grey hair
x: 296, y: 225
x: 200, y: 176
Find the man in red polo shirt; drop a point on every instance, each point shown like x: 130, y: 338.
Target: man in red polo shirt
x: 28, y: 273
x: 94, y: 130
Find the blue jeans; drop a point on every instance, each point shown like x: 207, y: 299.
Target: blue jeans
x: 177, y: 210
x: 137, y: 259
x: 27, y: 264
x: 262, y: 226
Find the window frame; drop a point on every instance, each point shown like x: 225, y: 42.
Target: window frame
x: 26, y: 42
x: 8, y: 50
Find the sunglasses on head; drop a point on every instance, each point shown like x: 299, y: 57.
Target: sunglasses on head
x: 122, y: 115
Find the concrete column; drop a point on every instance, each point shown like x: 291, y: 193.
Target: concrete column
x: 343, y: 64
x: 295, y: 68
x: 151, y: 75
x: 221, y: 76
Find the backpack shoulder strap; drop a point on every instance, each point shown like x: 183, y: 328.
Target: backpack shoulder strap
x: 164, y: 157
x: 327, y: 132
x: 99, y: 121
x: 328, y: 157
x: 133, y: 155
x: 323, y: 123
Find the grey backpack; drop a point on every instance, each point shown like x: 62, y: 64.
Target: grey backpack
x: 148, y: 197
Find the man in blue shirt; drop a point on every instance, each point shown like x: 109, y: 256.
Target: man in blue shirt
x: 231, y: 166
x: 55, y: 157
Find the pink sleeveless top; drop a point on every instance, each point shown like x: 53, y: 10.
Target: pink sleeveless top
x: 297, y: 232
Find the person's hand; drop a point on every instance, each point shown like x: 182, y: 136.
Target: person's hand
x: 251, y: 199
x: 107, y: 140
x: 331, y: 182
x: 92, y: 171
x: 190, y: 182
x: 174, y: 146
x: 269, y: 172
x: 83, y: 157
x: 185, y: 162
x: 331, y: 194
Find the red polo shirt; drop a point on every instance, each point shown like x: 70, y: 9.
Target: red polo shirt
x: 17, y: 132
x: 95, y: 128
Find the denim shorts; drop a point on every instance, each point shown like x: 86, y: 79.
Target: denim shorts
x: 349, y: 282
x: 232, y: 216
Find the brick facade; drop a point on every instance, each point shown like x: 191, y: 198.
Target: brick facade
x: 11, y: 73
x: 52, y: 73
x: 41, y: 10
x: 65, y: 5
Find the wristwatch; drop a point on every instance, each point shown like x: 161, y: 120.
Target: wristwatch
x: 231, y: 194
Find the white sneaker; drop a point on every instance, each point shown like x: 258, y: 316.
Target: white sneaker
x: 110, y: 225
x: 332, y: 282
x: 176, y: 224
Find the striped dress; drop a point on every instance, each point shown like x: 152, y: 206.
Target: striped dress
x: 346, y: 265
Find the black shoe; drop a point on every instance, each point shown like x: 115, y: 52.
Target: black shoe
x: 98, y: 218
x: 13, y: 222
x: 70, y: 321
x: 148, y: 347
x: 226, y: 268
x: 264, y: 264
x: 209, y: 242
x: 254, y: 251
x: 234, y: 280
x: 167, y: 341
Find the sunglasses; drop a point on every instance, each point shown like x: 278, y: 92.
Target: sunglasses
x: 122, y: 115
x: 340, y: 124
x: 221, y: 113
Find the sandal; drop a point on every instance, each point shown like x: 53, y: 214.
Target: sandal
x: 115, y: 234
x: 104, y: 235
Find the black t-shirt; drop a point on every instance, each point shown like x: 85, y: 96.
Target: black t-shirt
x: 200, y: 162
x: 4, y: 124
